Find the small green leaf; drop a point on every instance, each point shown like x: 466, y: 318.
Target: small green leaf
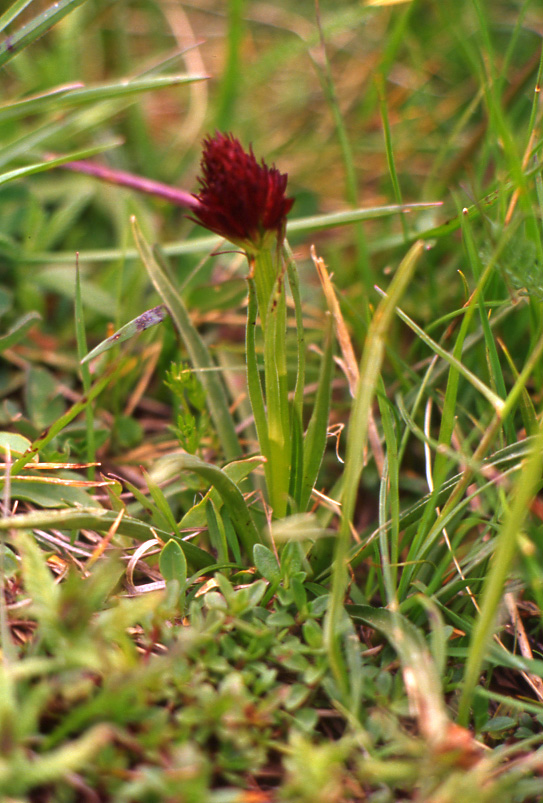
x: 17, y: 444
x: 297, y: 695
x: 266, y: 563
x: 498, y: 724
x: 172, y: 563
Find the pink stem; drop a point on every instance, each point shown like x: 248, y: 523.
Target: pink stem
x: 123, y: 179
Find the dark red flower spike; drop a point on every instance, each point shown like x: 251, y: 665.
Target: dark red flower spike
x: 240, y: 199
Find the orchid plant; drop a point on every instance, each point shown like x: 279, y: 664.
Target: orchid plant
x: 245, y: 202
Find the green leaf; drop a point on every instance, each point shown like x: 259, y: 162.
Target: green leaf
x: 78, y: 95
x: 266, y: 563
x: 172, y: 563
x: 17, y: 444
x: 237, y: 471
x: 149, y: 318
x: 168, y: 520
x: 231, y: 496
x: 48, y: 164
x: 48, y: 492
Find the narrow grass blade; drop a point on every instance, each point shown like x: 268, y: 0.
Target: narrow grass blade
x: 390, y: 490
x: 305, y: 224
x: 231, y: 77
x: 496, y: 402
x: 277, y: 403
x: 332, y: 219
x: 161, y: 504
x: 317, y: 429
x: 79, y: 95
x: 370, y: 367
x: 381, y: 91
x: 13, y: 12
x: 487, y: 439
x: 81, y: 339
x: 494, y: 366
x: 35, y: 28
x: 217, y: 535
x: 527, y: 409
x: 506, y: 548
x: 173, y: 568
x: 198, y: 353
x: 296, y: 460
x: 62, y: 422
x: 254, y: 383
x: 294, y: 283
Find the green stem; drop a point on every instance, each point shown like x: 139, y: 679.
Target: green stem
x: 269, y: 282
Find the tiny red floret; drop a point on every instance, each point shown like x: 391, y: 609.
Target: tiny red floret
x: 240, y: 199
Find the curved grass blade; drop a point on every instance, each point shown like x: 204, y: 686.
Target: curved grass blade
x: 237, y: 471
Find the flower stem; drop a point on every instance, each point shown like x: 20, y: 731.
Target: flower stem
x: 267, y: 276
